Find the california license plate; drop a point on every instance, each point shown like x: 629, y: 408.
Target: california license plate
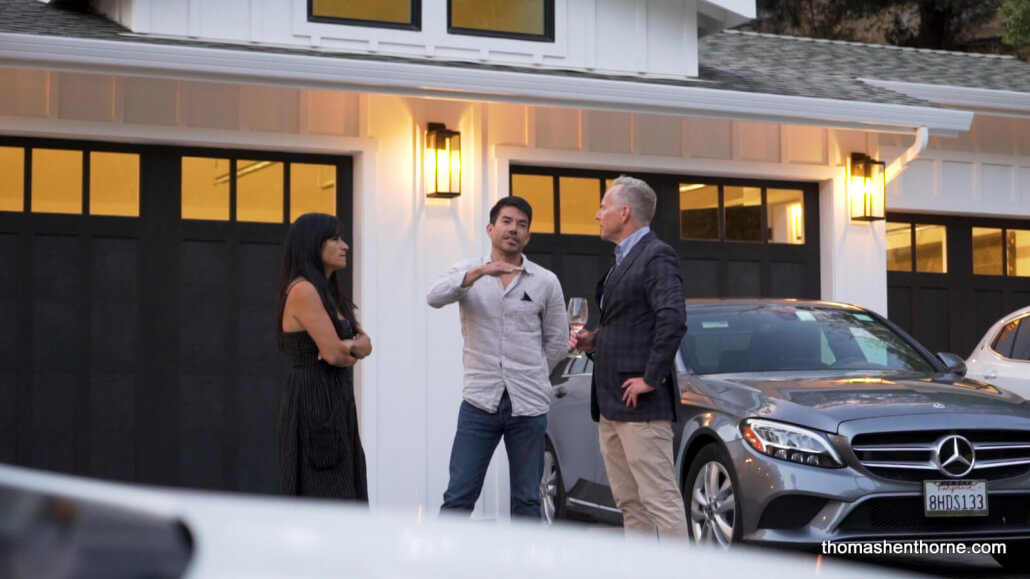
x: 955, y: 498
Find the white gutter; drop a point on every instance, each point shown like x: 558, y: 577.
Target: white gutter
x: 908, y: 155
x: 1001, y: 102
x: 339, y: 72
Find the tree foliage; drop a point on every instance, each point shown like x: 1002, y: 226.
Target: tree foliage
x: 937, y: 24
x: 1017, y: 22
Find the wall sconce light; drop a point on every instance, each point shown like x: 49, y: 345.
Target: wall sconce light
x: 442, y: 161
x: 867, y: 186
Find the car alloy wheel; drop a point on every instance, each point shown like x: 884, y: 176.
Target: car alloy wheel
x: 713, y: 499
x: 552, y: 495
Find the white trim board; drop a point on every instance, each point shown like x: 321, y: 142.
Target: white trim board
x: 462, y: 83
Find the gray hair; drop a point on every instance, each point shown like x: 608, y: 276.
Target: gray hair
x: 638, y: 196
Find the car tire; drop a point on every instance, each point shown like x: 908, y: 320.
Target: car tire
x: 1016, y: 558
x: 710, y: 495
x: 552, y: 491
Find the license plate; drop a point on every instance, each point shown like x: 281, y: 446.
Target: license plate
x: 955, y: 498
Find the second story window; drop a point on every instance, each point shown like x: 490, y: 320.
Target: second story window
x: 384, y: 13
x: 523, y: 20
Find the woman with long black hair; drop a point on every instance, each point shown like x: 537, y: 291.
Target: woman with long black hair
x: 320, y: 453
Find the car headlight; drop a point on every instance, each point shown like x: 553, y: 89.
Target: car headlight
x: 790, y: 443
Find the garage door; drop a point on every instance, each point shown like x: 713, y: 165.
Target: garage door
x: 950, y: 278
x: 138, y: 284
x: 735, y: 238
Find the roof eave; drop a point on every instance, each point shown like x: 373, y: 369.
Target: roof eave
x: 462, y: 83
x: 988, y: 101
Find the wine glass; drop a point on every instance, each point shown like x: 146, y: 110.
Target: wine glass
x: 578, y: 312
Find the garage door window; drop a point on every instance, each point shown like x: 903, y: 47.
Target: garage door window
x: 56, y: 181
x: 785, y: 216
x: 538, y: 190
x: 259, y: 195
x: 699, y: 211
x: 69, y: 181
x: 743, y: 207
x: 205, y: 188
x: 1001, y: 251
x: 930, y: 244
x: 312, y: 189
x: 114, y: 184
x: 12, y: 179
x: 579, y: 198
x: 255, y: 189
x: 1017, y: 246
x: 733, y: 213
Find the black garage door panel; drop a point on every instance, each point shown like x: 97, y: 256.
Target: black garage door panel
x: 949, y: 312
x: 744, y: 279
x: 58, y: 358
x: 700, y: 277
x: 113, y: 351
x: 787, y: 280
x: 9, y: 280
x: 143, y: 349
x: 709, y: 268
x: 936, y: 329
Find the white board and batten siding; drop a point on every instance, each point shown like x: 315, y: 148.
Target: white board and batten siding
x: 655, y: 38
x: 984, y: 172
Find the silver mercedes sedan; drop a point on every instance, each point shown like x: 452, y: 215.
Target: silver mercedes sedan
x: 805, y: 422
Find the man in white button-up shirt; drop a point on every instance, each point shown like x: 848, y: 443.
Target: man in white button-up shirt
x: 516, y: 330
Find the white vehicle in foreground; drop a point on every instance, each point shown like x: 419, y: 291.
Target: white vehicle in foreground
x: 57, y: 526
x: 1003, y: 355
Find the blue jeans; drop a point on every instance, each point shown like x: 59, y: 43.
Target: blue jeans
x: 474, y: 444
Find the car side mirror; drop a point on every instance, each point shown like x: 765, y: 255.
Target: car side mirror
x: 955, y: 364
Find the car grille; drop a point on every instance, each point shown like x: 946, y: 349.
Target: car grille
x: 908, y: 456
x: 1005, y: 513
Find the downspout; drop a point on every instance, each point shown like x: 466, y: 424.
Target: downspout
x: 910, y: 154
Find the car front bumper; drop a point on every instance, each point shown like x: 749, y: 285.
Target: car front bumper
x: 792, y: 504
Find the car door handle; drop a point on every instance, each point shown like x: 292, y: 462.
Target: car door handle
x: 560, y: 392
x: 991, y: 375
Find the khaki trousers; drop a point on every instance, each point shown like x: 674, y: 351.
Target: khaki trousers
x: 638, y: 457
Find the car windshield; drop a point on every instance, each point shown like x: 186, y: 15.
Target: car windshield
x: 784, y: 337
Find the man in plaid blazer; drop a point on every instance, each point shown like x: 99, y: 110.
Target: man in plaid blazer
x: 635, y: 395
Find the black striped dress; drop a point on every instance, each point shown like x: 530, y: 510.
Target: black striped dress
x: 320, y: 453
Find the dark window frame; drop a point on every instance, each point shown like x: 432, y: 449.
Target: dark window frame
x: 763, y: 185
x: 720, y: 255
x: 415, y: 24
x: 287, y: 158
x: 84, y: 148
x: 547, y: 36
x: 914, y: 248
x: 1004, y: 252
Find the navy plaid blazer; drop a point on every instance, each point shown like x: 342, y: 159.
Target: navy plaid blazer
x: 642, y: 323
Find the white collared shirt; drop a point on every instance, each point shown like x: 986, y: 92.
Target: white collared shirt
x: 514, y: 336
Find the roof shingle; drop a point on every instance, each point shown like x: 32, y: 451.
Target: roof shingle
x: 730, y: 60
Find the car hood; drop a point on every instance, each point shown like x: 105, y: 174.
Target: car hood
x: 823, y: 401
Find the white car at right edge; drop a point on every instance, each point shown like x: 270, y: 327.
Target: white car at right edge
x: 1003, y: 355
